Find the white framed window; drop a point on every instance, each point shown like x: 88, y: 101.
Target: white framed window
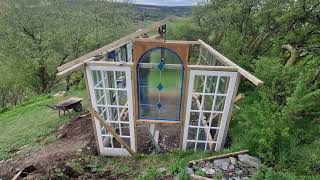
x: 209, y: 101
x: 111, y: 96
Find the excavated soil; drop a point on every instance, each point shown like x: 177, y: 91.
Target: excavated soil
x: 75, y: 137
x: 75, y: 140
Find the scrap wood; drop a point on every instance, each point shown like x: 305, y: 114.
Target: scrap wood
x: 238, y: 97
x: 204, y: 122
x: 196, y: 177
x: 17, y: 175
x: 110, y: 129
x: 152, y: 137
x: 24, y: 172
x: 219, y: 156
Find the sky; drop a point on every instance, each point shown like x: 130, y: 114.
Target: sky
x: 167, y: 2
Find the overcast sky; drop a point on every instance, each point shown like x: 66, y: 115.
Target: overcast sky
x: 167, y: 2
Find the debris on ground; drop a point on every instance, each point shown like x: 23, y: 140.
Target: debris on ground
x: 232, y: 166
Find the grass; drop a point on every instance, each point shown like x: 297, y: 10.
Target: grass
x: 30, y: 124
x: 146, y: 166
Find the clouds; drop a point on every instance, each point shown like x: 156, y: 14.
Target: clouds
x: 167, y: 2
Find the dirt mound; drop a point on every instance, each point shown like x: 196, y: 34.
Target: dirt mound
x: 74, y: 138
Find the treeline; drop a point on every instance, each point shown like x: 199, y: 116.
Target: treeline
x: 36, y: 36
x: 278, y: 40
x: 156, y: 13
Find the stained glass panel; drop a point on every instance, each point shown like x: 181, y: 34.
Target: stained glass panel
x: 160, y: 85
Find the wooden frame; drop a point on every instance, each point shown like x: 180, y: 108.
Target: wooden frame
x: 228, y: 62
x: 76, y: 64
x: 104, y: 67
x: 140, y: 47
x: 210, y: 62
x: 222, y: 128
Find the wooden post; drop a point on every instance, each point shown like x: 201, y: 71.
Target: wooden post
x: 231, y: 109
x: 110, y: 129
x: 90, y: 102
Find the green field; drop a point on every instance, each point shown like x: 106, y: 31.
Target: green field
x: 31, y: 124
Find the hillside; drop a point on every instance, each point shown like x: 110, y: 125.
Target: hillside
x: 151, y: 12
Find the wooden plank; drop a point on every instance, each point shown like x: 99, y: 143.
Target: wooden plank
x: 70, y: 70
x: 238, y: 97
x: 148, y: 40
x: 219, y: 156
x: 124, y: 111
x: 154, y: 130
x: 110, y: 129
x: 92, y: 117
x: 107, y: 63
x: 102, y: 51
x: 140, y: 48
x: 151, y: 133
x: 213, y: 68
x: 196, y: 177
x: 235, y: 91
x: 228, y: 62
x: 184, y: 105
x: 156, y: 135
x: 135, y: 100
x: 156, y: 36
x: 154, y: 65
x: 151, y: 121
x: 204, y: 122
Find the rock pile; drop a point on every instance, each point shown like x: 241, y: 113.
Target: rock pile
x: 239, y: 167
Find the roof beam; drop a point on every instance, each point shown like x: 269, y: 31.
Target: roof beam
x: 150, y: 40
x: 228, y: 62
x: 78, y: 63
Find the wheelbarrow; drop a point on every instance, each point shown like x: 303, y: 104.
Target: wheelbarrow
x: 71, y: 103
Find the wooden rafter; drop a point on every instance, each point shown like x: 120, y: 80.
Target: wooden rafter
x: 94, y: 55
x: 228, y: 62
x: 110, y: 129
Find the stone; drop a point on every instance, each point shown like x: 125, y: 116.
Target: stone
x: 239, y: 172
x: 217, y: 169
x: 204, y: 169
x: 210, y: 172
x: 60, y: 94
x: 225, y: 166
x: 247, y: 159
x: 190, y: 171
x: 162, y: 170
x: 222, y: 162
x: 252, y: 171
x: 233, y: 160
x: 62, y: 135
x: 231, y: 167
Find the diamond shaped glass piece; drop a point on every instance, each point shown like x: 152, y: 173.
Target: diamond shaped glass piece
x: 160, y: 66
x: 159, y: 105
x: 160, y: 87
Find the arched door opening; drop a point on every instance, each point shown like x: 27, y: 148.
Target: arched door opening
x: 160, y: 73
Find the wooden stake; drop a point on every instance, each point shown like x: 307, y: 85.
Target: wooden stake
x: 219, y: 156
x: 111, y: 131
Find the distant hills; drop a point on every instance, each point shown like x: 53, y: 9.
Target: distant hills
x: 153, y: 12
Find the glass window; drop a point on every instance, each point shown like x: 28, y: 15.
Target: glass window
x: 160, y: 84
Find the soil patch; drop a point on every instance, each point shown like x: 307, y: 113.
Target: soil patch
x: 74, y: 138
x: 76, y: 142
